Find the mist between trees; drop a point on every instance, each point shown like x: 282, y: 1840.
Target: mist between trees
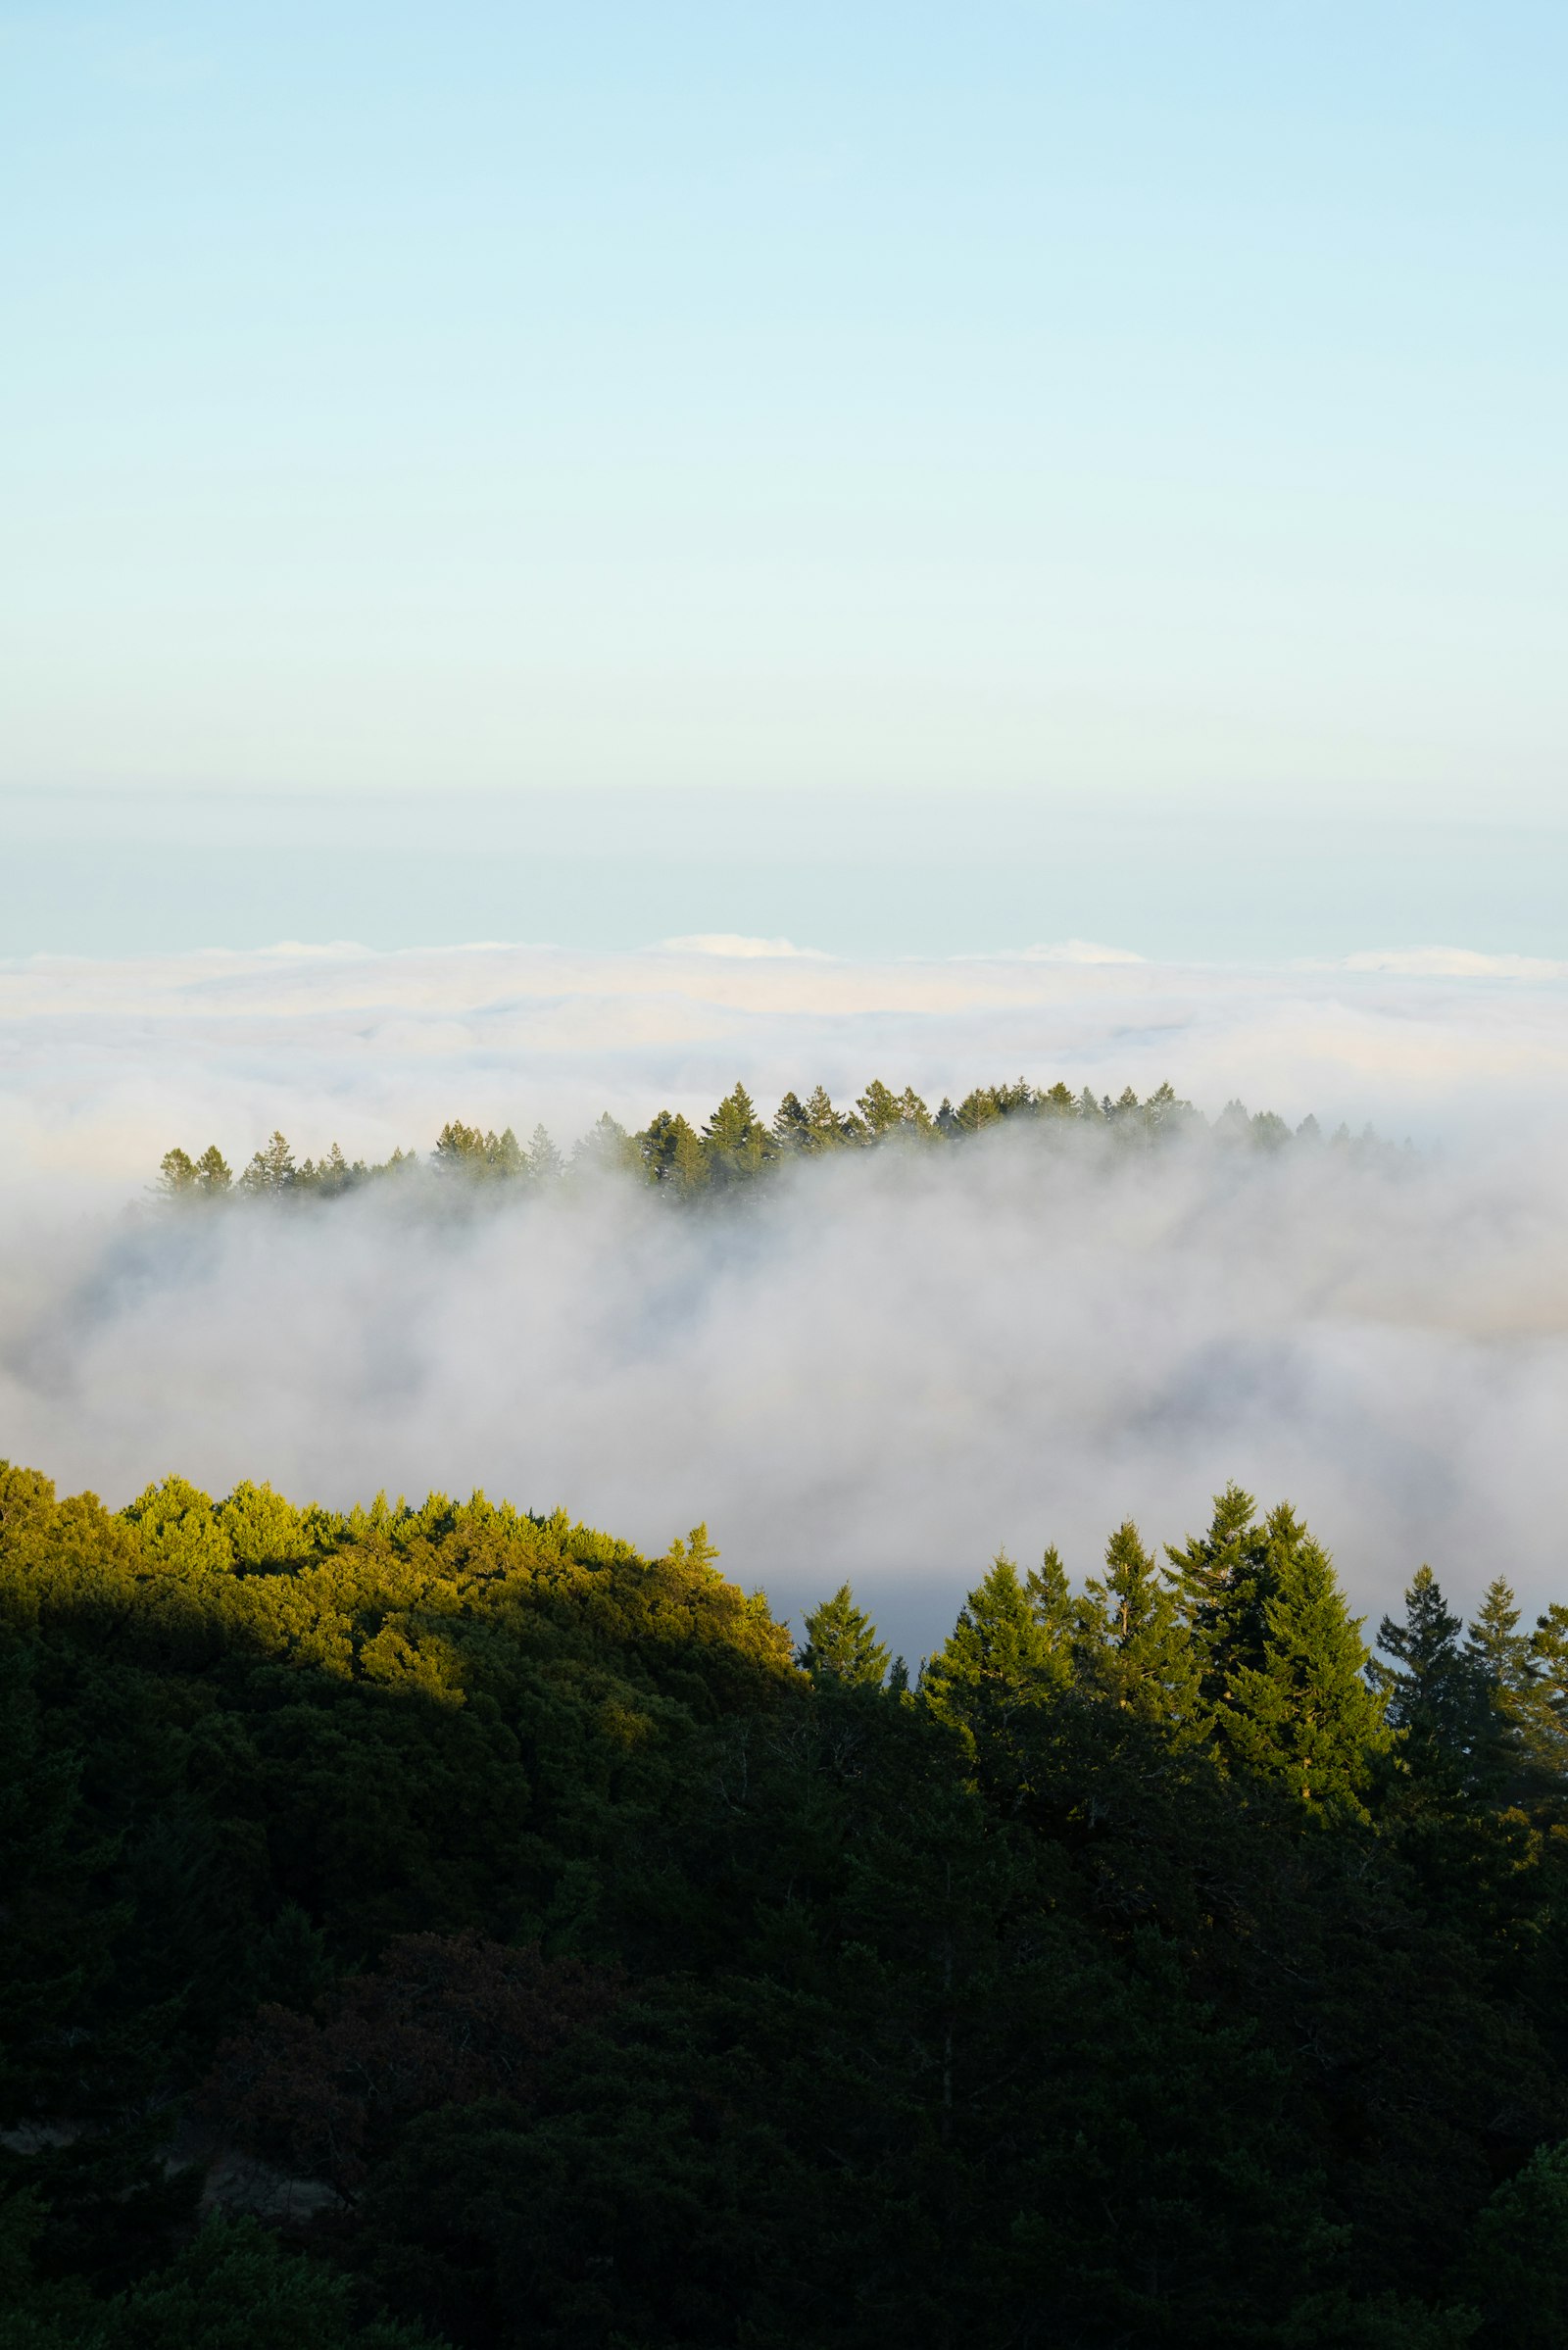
x: 442, y: 1922
x: 736, y: 1145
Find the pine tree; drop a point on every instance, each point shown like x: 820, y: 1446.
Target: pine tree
x: 880, y: 1109
x: 545, y: 1163
x: 841, y: 1645
x: 826, y: 1130
x: 672, y: 1153
x: 1435, y: 1697
x: 176, y: 1174
x: 997, y: 1667
x: 271, y: 1169
x: 1222, y: 1584
x: 1543, y: 1705
x: 1305, y: 1716
x: 792, y: 1125
x: 1498, y: 1656
x: 1135, y: 1648
x: 737, y: 1144
x: 608, y: 1147
x: 1052, y: 1605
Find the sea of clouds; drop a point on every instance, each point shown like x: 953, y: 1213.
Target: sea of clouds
x: 887, y: 1365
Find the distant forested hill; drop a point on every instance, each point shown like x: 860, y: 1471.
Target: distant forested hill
x: 736, y: 1145
x: 447, y: 1924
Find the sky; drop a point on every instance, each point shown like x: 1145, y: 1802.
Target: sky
x: 912, y: 480
x: 552, y: 558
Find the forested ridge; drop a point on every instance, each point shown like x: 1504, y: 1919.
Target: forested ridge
x: 736, y: 1145
x: 445, y: 1924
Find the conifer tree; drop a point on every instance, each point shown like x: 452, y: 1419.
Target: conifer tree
x: 1136, y: 1648
x: 1435, y: 1697
x: 176, y: 1173
x: 1222, y: 1584
x: 1052, y: 1605
x: 544, y: 1161
x: 825, y: 1129
x: 1305, y: 1716
x: 736, y: 1141
x: 880, y: 1109
x: 1497, y: 1653
x: 841, y: 1644
x: 1542, y: 1704
x: 792, y: 1126
x: 998, y: 1665
x: 271, y: 1169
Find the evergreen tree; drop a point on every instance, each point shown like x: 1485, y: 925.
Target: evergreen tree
x: 1542, y: 1704
x: 672, y: 1153
x: 1433, y: 1694
x: 271, y: 1169
x: 1305, y: 1717
x: 841, y: 1644
x: 1498, y: 1656
x: 881, y: 1110
x: 1135, y: 1649
x: 1052, y: 1605
x: 792, y: 1125
x: 176, y: 1174
x: 825, y: 1129
x: 608, y: 1148
x: 1222, y: 1584
x: 997, y: 1667
x: 545, y: 1164
x: 737, y: 1142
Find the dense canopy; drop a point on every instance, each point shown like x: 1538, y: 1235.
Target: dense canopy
x: 445, y: 1924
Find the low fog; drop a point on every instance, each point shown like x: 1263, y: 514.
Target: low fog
x: 880, y: 1366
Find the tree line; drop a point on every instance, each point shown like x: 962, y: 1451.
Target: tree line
x: 445, y: 1924
x: 736, y: 1144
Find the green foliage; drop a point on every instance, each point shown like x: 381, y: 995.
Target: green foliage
x: 734, y: 1146
x: 545, y: 1958
x: 1137, y: 1649
x: 1514, y: 2268
x: 1304, y: 1716
x: 841, y: 1645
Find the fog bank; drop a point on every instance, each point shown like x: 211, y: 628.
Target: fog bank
x: 883, y: 1369
x: 880, y: 1366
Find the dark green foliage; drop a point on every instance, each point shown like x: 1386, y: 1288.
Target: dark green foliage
x: 549, y: 1960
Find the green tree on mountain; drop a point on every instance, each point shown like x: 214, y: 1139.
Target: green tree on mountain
x: 1305, y: 1717
x: 841, y: 1644
x: 1433, y: 1697
x: 737, y: 1144
x: 1136, y: 1650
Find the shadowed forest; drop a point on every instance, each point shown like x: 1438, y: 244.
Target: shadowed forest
x: 736, y: 1145
x: 447, y: 1925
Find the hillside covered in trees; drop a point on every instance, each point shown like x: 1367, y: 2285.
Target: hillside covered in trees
x: 736, y: 1145
x: 442, y: 1923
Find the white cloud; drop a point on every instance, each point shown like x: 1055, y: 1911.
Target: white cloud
x: 1080, y: 950
x: 1451, y: 963
x: 733, y: 943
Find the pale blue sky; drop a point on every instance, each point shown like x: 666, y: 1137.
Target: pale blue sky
x: 1152, y: 411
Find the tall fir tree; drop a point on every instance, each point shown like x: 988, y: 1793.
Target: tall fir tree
x: 1222, y: 1585
x: 1435, y: 1697
x: 1498, y: 1656
x: 1307, y: 1717
x: 1000, y: 1665
x: 1542, y: 1704
x: 1134, y: 1645
x: 841, y: 1645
